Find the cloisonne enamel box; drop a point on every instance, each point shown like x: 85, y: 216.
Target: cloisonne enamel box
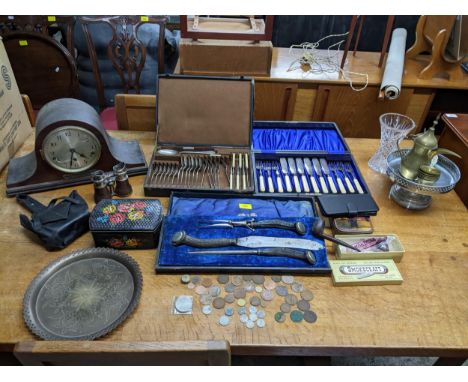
x: 126, y: 223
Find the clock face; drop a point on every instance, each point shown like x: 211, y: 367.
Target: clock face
x: 71, y: 149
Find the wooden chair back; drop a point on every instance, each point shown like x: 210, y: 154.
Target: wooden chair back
x: 44, y: 69
x: 29, y: 109
x: 106, y: 353
x: 135, y: 112
x: 39, y: 24
x: 125, y: 50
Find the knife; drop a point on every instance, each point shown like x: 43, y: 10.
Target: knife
x: 181, y: 238
x: 318, y: 171
x: 326, y: 170
x: 292, y: 170
x: 284, y: 170
x: 300, y: 170
x: 308, y: 167
x: 286, y: 252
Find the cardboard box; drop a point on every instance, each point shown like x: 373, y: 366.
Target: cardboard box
x: 394, y: 248
x: 225, y: 57
x: 14, y: 122
x: 365, y: 272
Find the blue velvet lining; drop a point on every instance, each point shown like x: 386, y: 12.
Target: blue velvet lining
x: 189, y: 214
x: 271, y: 140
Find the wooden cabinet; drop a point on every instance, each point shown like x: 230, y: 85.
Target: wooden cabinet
x: 274, y: 101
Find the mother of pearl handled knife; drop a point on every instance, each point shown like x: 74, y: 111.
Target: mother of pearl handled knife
x: 318, y: 171
x: 326, y: 170
x: 308, y: 167
x: 292, y: 170
x: 284, y: 170
x: 300, y: 170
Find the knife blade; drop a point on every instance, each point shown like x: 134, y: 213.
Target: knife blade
x: 300, y: 170
x: 326, y: 171
x: 285, y: 171
x: 318, y: 171
x: 310, y: 172
x: 285, y: 252
x: 292, y: 170
x: 181, y: 238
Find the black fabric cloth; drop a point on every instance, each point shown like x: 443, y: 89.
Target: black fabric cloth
x: 57, y: 224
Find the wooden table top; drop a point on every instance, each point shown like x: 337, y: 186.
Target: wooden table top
x: 362, y: 62
x: 425, y: 316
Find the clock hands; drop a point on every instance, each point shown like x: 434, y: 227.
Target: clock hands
x: 72, y: 151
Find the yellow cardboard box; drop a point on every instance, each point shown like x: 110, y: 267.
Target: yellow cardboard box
x: 365, y: 272
x: 14, y: 122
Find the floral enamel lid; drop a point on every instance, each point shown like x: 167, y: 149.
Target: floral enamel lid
x: 126, y: 215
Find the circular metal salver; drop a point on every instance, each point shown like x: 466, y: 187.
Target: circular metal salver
x: 83, y: 295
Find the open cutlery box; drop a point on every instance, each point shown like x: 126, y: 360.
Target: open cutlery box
x: 192, y: 212
x: 339, y: 190
x: 204, y: 135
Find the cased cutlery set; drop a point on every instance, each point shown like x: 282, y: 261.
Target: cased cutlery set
x: 306, y: 175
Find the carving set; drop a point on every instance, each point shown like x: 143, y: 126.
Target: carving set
x: 307, y: 175
x: 202, y: 170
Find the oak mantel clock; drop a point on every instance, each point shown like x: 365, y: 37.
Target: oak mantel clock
x: 70, y: 144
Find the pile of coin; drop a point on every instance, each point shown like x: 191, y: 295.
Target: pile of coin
x: 249, y: 294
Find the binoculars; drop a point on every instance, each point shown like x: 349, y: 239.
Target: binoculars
x: 108, y: 184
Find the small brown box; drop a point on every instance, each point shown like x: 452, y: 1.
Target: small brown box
x: 225, y: 57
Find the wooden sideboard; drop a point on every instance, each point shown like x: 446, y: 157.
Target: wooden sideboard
x: 296, y: 95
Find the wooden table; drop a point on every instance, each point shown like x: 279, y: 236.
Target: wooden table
x: 425, y: 316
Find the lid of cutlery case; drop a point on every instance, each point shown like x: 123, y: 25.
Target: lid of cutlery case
x: 204, y: 111
x: 348, y: 205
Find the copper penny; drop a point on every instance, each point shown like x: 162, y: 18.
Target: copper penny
x: 285, y: 307
x: 200, y: 289
x: 223, y: 279
x: 239, y: 292
x: 237, y: 280
x: 218, y: 303
x: 291, y: 299
x: 229, y: 298
x: 267, y: 295
x: 276, y: 279
x: 303, y: 305
x: 206, y: 282
x: 258, y: 279
x: 255, y: 301
x: 229, y: 287
x: 269, y: 284
x: 307, y: 295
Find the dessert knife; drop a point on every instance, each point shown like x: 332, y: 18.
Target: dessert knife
x: 279, y: 182
x: 284, y: 170
x: 292, y: 170
x: 247, y: 172
x: 261, y: 180
x: 233, y: 165
x: 300, y: 170
x: 308, y: 168
x: 318, y: 171
x: 239, y: 169
x: 326, y: 171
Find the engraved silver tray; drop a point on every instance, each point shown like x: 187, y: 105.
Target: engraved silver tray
x: 83, y: 295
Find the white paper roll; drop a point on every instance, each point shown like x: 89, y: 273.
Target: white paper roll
x: 391, y: 81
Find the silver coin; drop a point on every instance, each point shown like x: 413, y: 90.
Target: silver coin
x: 291, y: 299
x: 244, y: 318
x: 224, y: 320
x: 183, y: 304
x: 237, y: 280
x: 261, y: 314
x: 249, y: 286
x: 214, y: 290
x: 250, y: 324
x: 281, y: 290
x: 261, y: 323
x: 267, y: 295
x: 242, y: 310
x: 253, y: 317
x: 287, y: 279
x: 206, y: 299
x: 297, y: 287
x: 252, y: 309
x: 229, y: 287
x: 228, y: 311
x: 206, y: 309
